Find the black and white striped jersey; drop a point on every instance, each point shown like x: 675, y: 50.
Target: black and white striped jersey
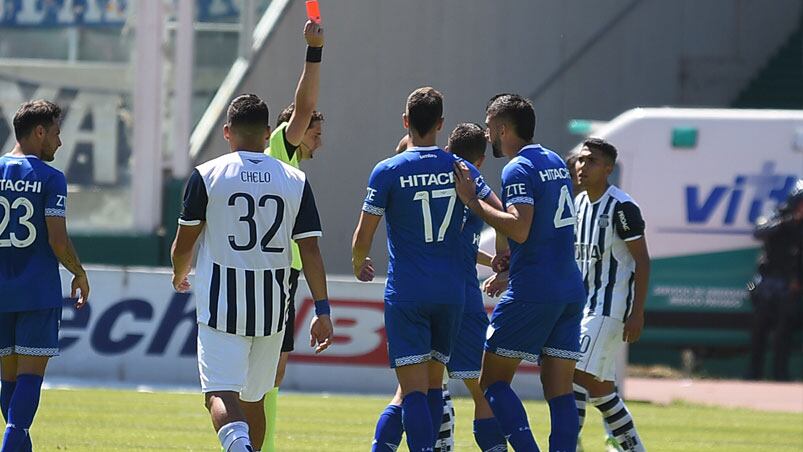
x: 252, y: 207
x: 608, y: 269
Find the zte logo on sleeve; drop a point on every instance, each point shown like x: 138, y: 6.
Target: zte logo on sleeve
x: 60, y: 201
x: 371, y: 193
x: 515, y: 190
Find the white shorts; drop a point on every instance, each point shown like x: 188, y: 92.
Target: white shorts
x: 242, y: 364
x: 600, y: 344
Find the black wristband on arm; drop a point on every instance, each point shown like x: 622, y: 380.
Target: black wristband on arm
x: 314, y: 54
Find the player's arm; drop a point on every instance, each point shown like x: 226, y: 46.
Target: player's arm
x: 373, y: 208
x: 306, y: 230
x: 55, y: 197
x: 472, y: 189
x: 361, y: 242
x: 501, y: 261
x: 321, y: 330
x: 181, y: 254
x: 191, y: 223
x: 306, y: 97
x: 514, y: 223
x: 404, y: 143
x: 630, y: 228
x: 484, y: 258
x: 65, y: 252
x: 495, y: 284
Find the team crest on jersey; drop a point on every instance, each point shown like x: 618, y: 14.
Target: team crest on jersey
x: 604, y: 221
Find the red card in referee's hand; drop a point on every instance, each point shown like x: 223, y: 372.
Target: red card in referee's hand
x: 313, y: 11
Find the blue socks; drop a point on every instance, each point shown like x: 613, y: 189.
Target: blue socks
x: 565, y: 423
x: 21, y: 410
x: 418, y: 422
x: 512, y: 418
x: 488, y: 435
x: 435, y: 402
x: 388, y: 433
x: 6, y: 390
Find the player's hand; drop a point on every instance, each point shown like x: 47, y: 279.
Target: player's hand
x: 495, y: 284
x: 501, y: 262
x: 181, y: 283
x: 365, y: 270
x: 80, y: 283
x: 313, y: 34
x: 320, y: 333
x: 633, y: 326
x: 402, y: 146
x: 463, y: 183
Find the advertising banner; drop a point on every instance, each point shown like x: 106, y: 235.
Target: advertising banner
x: 136, y: 330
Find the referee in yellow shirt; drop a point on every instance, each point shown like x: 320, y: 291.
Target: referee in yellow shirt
x: 297, y: 136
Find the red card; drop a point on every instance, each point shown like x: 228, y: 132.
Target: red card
x: 313, y: 11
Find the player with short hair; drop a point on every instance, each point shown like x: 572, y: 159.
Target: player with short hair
x: 33, y: 240
x: 611, y: 251
x: 249, y: 208
x: 424, y: 294
x: 538, y: 319
x: 468, y: 142
x: 296, y: 138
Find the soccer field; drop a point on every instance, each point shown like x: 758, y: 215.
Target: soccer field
x: 111, y: 420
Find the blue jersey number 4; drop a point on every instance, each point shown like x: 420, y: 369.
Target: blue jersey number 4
x: 564, y: 201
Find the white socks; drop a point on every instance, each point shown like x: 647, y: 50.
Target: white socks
x: 234, y: 437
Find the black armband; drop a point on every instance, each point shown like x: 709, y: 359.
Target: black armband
x: 314, y: 54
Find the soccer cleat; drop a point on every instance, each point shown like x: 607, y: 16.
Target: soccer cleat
x: 611, y: 445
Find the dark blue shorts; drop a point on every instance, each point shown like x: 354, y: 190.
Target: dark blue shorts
x: 34, y: 333
x: 466, y: 359
x: 418, y: 332
x: 529, y: 330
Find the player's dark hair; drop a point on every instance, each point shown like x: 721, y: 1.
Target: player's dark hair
x: 467, y: 141
x: 285, y: 115
x: 571, y: 159
x: 515, y: 110
x: 248, y: 114
x: 598, y: 144
x: 35, y: 113
x: 424, y: 109
x: 496, y: 96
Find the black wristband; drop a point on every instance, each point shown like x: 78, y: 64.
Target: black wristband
x: 314, y: 54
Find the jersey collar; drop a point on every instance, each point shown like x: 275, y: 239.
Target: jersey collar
x: 8, y: 154
x: 423, y: 148
x: 529, y: 146
x: 607, y: 191
x: 250, y: 151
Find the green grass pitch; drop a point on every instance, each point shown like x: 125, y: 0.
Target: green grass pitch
x: 116, y: 420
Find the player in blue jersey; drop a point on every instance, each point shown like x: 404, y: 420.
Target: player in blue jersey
x: 33, y: 240
x: 539, y: 316
x: 466, y: 141
x: 424, y: 294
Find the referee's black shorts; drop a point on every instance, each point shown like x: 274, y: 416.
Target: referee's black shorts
x: 288, y: 344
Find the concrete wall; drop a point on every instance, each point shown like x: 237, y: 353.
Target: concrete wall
x: 603, y: 56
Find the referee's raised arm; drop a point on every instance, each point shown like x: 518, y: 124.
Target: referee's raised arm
x: 308, y: 85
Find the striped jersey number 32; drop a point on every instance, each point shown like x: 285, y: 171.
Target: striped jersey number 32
x: 251, y: 205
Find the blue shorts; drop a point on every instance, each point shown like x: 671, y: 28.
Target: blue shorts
x: 529, y: 330
x: 34, y: 333
x: 466, y: 359
x: 418, y: 332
